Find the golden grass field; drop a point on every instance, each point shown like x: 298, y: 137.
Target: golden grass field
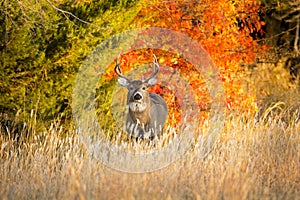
x: 256, y: 157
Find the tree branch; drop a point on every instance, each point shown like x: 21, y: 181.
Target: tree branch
x: 294, y: 8
x: 71, y: 14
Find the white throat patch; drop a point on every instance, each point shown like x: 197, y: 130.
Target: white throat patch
x: 137, y: 106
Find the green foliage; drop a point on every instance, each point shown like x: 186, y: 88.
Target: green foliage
x: 42, y: 46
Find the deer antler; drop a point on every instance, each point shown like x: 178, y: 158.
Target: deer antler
x: 118, y: 69
x: 155, y: 68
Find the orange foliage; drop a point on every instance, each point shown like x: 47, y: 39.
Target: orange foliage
x: 214, y: 24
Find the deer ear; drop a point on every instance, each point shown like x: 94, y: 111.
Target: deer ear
x: 152, y: 81
x: 123, y: 82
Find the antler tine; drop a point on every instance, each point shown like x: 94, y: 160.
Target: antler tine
x: 155, y: 63
x: 155, y: 68
x: 118, y: 69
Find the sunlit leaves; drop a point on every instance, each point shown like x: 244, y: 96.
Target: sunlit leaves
x: 214, y: 24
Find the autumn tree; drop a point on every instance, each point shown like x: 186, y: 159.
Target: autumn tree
x: 217, y: 27
x: 225, y: 29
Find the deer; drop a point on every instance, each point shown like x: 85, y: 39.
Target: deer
x: 146, y: 112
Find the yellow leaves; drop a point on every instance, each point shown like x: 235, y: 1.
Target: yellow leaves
x: 161, y: 60
x: 174, y: 60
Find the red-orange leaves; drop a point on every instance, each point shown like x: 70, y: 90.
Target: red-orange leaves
x: 215, y: 25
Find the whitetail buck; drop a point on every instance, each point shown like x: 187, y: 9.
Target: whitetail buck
x: 147, y: 112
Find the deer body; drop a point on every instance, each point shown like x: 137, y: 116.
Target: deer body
x: 147, y: 112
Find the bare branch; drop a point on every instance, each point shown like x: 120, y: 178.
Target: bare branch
x: 293, y: 19
x: 294, y: 8
x: 277, y: 35
x: 71, y: 14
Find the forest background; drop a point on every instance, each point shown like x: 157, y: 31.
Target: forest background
x: 254, y: 44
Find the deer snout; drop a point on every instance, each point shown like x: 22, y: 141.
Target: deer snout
x: 137, y: 96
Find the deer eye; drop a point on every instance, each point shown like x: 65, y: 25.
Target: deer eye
x: 143, y: 88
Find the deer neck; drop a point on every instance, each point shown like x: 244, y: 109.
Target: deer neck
x: 140, y: 117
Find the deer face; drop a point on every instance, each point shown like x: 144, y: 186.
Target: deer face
x: 138, y: 98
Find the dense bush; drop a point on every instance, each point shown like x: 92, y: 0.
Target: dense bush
x: 42, y: 46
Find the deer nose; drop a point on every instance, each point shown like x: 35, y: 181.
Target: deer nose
x: 137, y: 96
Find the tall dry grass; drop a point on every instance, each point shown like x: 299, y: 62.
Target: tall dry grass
x: 256, y: 157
